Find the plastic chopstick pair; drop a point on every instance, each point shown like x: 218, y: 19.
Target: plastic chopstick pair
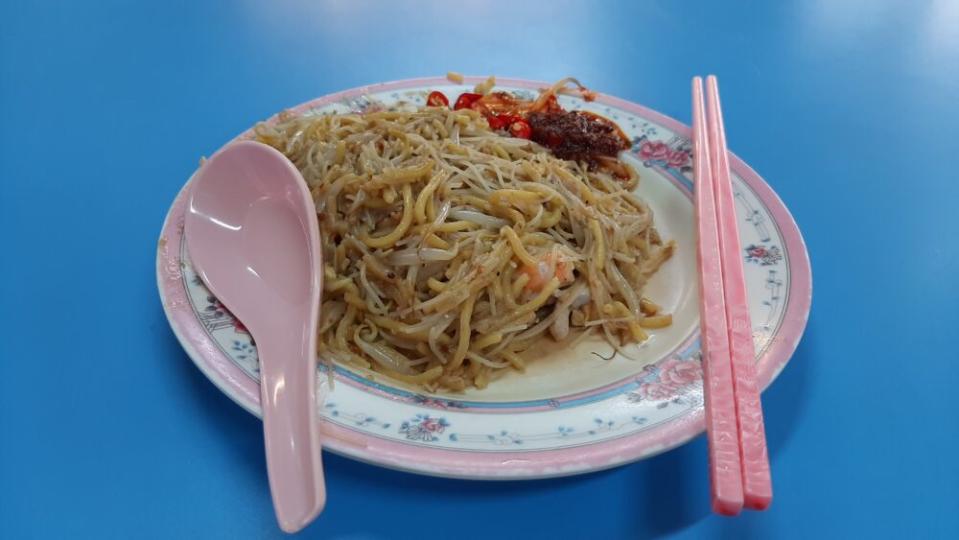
x: 739, y: 464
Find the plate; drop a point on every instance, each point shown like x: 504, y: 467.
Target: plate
x: 574, y: 410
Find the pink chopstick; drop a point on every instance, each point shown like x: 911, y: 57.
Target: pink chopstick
x: 725, y: 470
x: 756, y: 480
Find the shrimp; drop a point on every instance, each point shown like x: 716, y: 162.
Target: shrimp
x: 547, y: 267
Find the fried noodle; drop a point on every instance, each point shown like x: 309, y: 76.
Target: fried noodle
x: 450, y: 249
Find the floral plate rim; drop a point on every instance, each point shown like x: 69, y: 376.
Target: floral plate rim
x: 235, y: 383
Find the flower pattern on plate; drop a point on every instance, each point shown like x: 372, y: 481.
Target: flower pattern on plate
x: 673, y: 154
x: 671, y: 378
x: 437, y: 403
x: 761, y: 254
x: 424, y: 428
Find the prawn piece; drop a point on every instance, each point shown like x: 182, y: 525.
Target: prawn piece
x: 547, y: 267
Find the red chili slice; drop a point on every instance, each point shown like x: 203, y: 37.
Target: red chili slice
x: 521, y: 129
x: 466, y: 100
x: 502, y: 121
x: 496, y: 122
x: 437, y: 99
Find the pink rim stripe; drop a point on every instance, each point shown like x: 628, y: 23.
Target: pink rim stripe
x: 757, y: 480
x: 724, y: 466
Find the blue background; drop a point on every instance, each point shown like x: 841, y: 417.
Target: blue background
x: 848, y: 108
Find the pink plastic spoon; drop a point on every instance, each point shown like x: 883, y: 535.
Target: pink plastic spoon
x: 252, y: 234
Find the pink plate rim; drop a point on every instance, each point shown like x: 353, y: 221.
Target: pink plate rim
x: 236, y: 384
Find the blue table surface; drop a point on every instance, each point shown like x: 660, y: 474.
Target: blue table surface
x: 848, y: 108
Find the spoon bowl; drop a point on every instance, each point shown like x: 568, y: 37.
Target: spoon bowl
x: 252, y: 233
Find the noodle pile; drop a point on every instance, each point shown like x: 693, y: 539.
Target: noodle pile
x: 450, y: 250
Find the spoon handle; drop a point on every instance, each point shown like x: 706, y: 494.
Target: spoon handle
x: 291, y: 428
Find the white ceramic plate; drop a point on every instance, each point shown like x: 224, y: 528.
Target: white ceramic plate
x: 572, y: 411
